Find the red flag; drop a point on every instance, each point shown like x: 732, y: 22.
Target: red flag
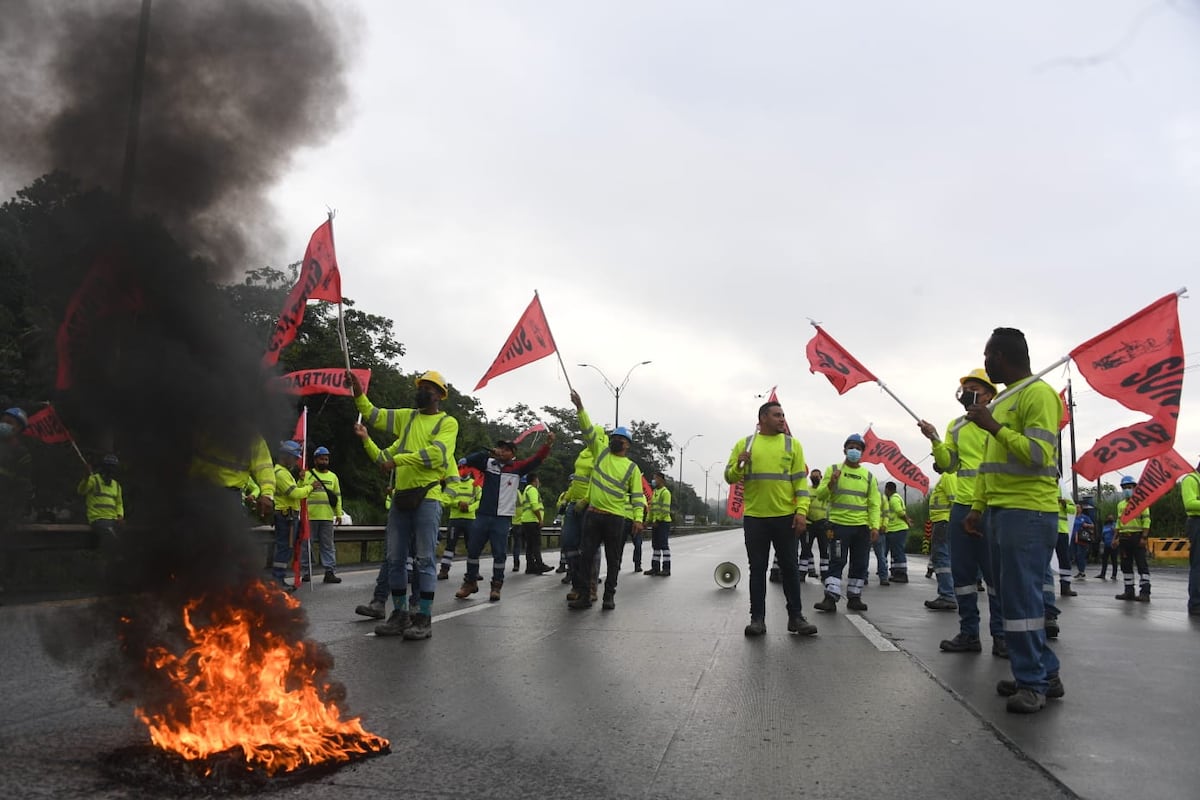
x: 1066, y: 417
x: 1158, y: 476
x: 882, y: 451
x: 323, y: 381
x: 103, y: 293
x: 528, y: 342
x: 541, y: 426
x: 48, y: 427
x: 302, y: 534
x: 1139, y: 363
x: 735, y: 504
x: 774, y: 399
x: 319, y: 280
x: 830, y: 359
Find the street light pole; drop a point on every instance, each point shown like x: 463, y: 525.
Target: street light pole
x: 707, y: 470
x: 679, y: 486
x: 616, y: 389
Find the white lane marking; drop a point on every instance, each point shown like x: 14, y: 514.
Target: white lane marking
x: 872, y: 633
x: 468, y: 610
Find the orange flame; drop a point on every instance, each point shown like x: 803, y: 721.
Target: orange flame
x: 242, y: 685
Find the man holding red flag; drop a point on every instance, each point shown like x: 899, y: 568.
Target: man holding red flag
x: 288, y: 494
x: 1016, y: 498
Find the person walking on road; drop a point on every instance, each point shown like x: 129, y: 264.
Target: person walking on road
x: 1016, y: 500
x: 770, y: 464
x: 1131, y: 545
x: 970, y: 558
x: 854, y: 511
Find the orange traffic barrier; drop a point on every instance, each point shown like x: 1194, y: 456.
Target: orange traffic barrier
x: 1169, y: 548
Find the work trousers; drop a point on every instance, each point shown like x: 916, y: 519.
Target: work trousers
x: 762, y: 534
x: 458, y: 528
x: 939, y: 558
x: 600, y: 529
x: 853, y: 543
x: 970, y: 557
x: 818, y: 533
x: 532, y: 533
x: 493, y: 530
x: 660, y: 543
x: 1193, y: 533
x: 1132, y: 549
x: 1022, y: 544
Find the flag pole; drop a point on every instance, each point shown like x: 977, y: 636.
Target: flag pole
x: 557, y: 354
x: 892, y: 394
x: 341, y: 319
x: 1016, y: 387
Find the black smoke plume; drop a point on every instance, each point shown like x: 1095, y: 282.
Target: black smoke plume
x: 158, y: 363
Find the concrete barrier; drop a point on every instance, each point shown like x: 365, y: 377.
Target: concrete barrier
x: 1169, y: 547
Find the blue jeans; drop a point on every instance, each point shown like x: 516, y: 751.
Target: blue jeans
x: 853, y: 543
x: 1024, y: 542
x: 413, y: 534
x: 879, y: 546
x: 492, y: 530
x: 284, y: 529
x: 1193, y: 533
x: 970, y: 557
x: 896, y: 540
x: 322, y: 531
x: 762, y: 534
x: 939, y: 557
x: 1080, y: 551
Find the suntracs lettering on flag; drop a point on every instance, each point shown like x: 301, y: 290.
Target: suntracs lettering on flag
x: 331, y: 380
x: 829, y: 358
x: 882, y: 451
x: 529, y: 341
x: 319, y: 280
x: 1140, y: 364
x: 1158, y: 476
x: 735, y: 504
x: 46, y: 426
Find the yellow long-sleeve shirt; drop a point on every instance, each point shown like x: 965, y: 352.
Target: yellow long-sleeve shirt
x: 775, y: 479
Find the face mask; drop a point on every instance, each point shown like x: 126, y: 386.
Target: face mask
x: 1127, y: 493
x: 425, y: 397
x: 853, y: 456
x: 6, y: 430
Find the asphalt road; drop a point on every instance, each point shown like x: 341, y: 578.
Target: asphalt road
x: 665, y: 698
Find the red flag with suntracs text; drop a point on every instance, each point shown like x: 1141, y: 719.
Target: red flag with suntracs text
x: 331, y: 380
x: 829, y: 358
x: 46, y: 426
x: 1158, y: 476
x: 319, y: 280
x: 882, y: 451
x: 528, y: 342
x: 1139, y: 363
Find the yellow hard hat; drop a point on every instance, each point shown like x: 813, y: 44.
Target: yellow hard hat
x: 977, y: 375
x: 434, y: 377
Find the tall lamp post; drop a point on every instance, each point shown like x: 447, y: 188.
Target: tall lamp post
x: 616, y: 389
x: 679, y: 486
x: 707, y: 470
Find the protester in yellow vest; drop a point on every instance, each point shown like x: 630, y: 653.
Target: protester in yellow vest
x: 531, y: 518
x: 1131, y: 544
x: 660, y: 518
x: 819, y: 530
x: 103, y: 499
x: 288, y: 494
x: 324, y: 510
x: 462, y: 494
x: 941, y: 500
x: 1189, y: 489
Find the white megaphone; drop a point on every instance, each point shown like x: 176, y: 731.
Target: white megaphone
x: 727, y: 575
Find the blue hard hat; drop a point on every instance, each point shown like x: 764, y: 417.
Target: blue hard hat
x: 856, y: 439
x: 621, y: 430
x: 110, y: 460
x: 321, y: 451
x: 1128, y: 481
x: 19, y: 415
x: 462, y: 462
x: 291, y: 448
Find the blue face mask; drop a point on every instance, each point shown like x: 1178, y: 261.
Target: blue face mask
x: 1127, y: 493
x: 853, y: 455
x: 6, y: 430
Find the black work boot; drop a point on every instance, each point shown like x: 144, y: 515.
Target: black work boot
x: 962, y: 643
x: 1126, y: 595
x: 376, y: 609
x: 854, y: 602
x: 828, y: 603
x: 609, y: 602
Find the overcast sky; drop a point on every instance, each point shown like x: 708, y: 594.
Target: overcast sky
x: 689, y: 182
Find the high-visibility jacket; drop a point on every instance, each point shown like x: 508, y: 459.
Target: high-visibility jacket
x: 102, y: 500
x: 1064, y: 516
x: 1139, y: 524
x: 288, y: 493
x: 818, y: 509
x: 532, y: 508
x: 581, y: 478
x: 775, y: 479
x: 616, y: 482
x: 424, y: 446
x: 660, y: 506
x: 857, y: 500
x: 319, y: 506
x: 1019, y: 468
x: 220, y: 468
x: 942, y: 497
x: 462, y: 490
x: 1189, y: 489
x: 897, y: 514
x: 960, y: 453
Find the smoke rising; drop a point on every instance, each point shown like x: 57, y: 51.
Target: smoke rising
x: 160, y: 365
